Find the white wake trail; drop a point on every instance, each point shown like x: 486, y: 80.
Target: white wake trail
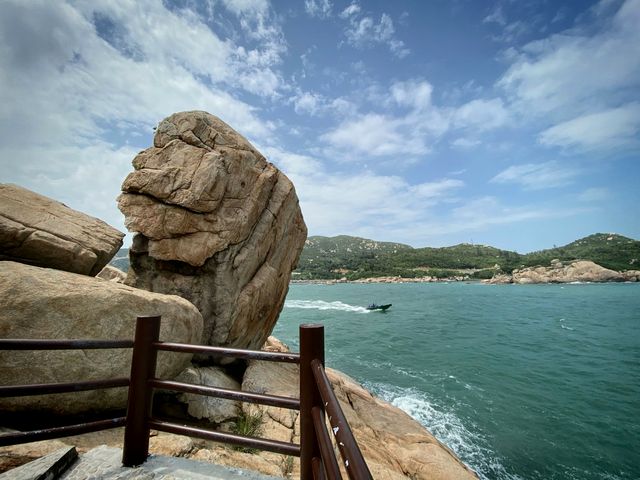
x: 322, y: 305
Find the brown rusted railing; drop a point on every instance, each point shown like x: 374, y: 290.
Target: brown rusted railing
x: 15, y: 438
x: 317, y: 458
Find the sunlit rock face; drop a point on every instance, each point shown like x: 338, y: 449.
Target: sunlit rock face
x: 44, y: 303
x: 38, y: 230
x: 216, y: 223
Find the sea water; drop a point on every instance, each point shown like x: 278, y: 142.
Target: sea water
x: 520, y: 381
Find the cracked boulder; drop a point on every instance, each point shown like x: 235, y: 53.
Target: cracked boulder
x: 42, y: 303
x: 37, y: 230
x: 215, y: 223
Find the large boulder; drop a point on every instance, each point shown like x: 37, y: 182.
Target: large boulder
x: 216, y: 224
x: 37, y: 230
x: 42, y: 303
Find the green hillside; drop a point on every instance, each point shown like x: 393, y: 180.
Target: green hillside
x: 333, y: 257
x: 607, y: 249
x: 354, y: 257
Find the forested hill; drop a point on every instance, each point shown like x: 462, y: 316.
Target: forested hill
x: 354, y: 257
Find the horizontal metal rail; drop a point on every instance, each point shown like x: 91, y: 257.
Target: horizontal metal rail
x: 16, y: 438
x: 251, y: 442
x: 228, y: 352
x: 47, y: 388
x: 324, y: 442
x: 354, y: 462
x: 226, y: 393
x: 30, y: 344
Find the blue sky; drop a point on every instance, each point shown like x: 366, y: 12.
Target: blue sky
x: 509, y: 123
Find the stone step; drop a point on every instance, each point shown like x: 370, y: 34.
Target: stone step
x: 104, y: 463
x: 49, y: 467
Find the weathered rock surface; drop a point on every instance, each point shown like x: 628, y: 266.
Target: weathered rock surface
x: 37, y: 230
x: 112, y: 274
x: 51, y: 304
x: 216, y: 410
x: 394, y: 445
x: 216, y: 224
x: 559, y: 272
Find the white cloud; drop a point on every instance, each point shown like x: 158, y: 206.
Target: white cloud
x: 66, y: 88
x: 363, y: 31
x: 465, y: 143
x: 436, y: 189
x: 377, y: 135
x: 413, y: 93
x: 481, y: 115
x: 574, y: 73
x: 307, y: 102
x: 485, y: 212
x: 537, y: 176
x: 616, y: 127
x: 496, y: 16
x: 352, y: 9
x: 318, y: 8
x: 410, y: 125
x: 246, y: 6
x: 335, y: 202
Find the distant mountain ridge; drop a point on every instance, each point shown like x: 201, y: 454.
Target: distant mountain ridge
x: 355, y: 257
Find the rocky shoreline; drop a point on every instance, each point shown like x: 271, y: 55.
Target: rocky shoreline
x: 218, y: 232
x: 461, y: 278
x: 576, y: 271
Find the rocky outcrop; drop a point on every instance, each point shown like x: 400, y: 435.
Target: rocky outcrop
x: 51, y: 304
x: 112, y: 274
x: 216, y: 224
x: 559, y: 272
x: 216, y: 410
x: 394, y: 445
x: 40, y: 231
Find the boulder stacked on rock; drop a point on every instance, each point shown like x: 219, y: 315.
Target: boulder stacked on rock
x: 43, y: 303
x: 40, y: 231
x: 216, y: 224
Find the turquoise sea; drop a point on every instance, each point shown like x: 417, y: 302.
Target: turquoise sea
x: 521, y: 381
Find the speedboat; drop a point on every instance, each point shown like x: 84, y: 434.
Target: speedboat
x: 382, y: 308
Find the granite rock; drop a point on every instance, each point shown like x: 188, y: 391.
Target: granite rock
x: 37, y: 230
x: 42, y: 303
x: 216, y: 224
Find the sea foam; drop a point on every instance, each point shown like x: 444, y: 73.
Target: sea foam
x: 322, y: 305
x: 446, y: 427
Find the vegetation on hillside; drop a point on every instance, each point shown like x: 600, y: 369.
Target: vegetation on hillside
x: 326, y: 258
x: 353, y: 258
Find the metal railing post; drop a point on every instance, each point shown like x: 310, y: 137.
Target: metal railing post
x: 143, y: 367
x: 311, y: 347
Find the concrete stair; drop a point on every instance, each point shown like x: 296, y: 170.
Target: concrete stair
x: 104, y: 463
